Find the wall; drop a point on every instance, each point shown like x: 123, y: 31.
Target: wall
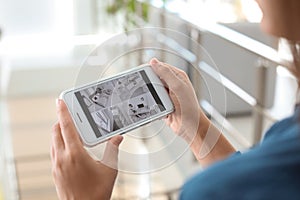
x: 239, y: 66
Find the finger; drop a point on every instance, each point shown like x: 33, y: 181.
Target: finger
x: 111, y: 152
x: 169, y: 75
x: 167, y: 121
x: 68, y: 130
x: 177, y: 71
x: 52, y: 154
x: 57, y: 140
x: 163, y: 71
x: 116, y: 140
x: 160, y: 66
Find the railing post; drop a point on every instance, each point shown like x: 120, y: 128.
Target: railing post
x: 192, y: 71
x: 11, y: 187
x: 260, y: 94
x: 162, y: 20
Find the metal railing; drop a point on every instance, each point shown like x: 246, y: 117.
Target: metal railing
x: 11, y: 187
x: 267, y: 57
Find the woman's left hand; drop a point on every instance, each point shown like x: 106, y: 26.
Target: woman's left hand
x: 76, y: 174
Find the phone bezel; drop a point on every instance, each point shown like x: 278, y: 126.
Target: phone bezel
x: 84, y: 127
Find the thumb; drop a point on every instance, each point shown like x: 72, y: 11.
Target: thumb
x: 111, y: 152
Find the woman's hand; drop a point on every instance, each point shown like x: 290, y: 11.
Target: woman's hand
x: 76, y: 174
x: 188, y: 120
x: 185, y: 120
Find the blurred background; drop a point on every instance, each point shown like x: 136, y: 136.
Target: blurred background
x: 43, y: 49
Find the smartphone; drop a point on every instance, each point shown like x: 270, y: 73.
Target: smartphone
x: 117, y: 104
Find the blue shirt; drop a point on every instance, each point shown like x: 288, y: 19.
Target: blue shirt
x: 268, y: 171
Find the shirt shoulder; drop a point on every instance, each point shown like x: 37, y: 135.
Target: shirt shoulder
x: 268, y: 171
x: 283, y: 127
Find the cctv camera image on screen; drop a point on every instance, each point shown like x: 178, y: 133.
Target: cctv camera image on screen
x: 118, y: 103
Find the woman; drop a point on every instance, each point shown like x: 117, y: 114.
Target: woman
x: 268, y: 171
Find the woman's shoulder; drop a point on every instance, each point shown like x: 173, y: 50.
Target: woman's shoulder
x: 290, y: 125
x: 256, y: 174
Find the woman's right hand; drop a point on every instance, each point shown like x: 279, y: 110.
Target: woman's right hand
x: 185, y: 120
x: 188, y: 120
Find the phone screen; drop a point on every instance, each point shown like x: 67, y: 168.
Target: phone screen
x: 118, y: 103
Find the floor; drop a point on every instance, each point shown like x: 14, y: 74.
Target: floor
x: 30, y: 131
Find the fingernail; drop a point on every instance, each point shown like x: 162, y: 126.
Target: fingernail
x: 155, y: 62
x: 120, y: 139
x: 117, y: 140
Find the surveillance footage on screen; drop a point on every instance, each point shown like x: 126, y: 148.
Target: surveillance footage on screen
x: 118, y: 103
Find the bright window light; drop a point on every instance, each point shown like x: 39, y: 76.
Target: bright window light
x: 64, y: 17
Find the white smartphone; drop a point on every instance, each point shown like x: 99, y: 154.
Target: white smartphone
x: 117, y: 104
